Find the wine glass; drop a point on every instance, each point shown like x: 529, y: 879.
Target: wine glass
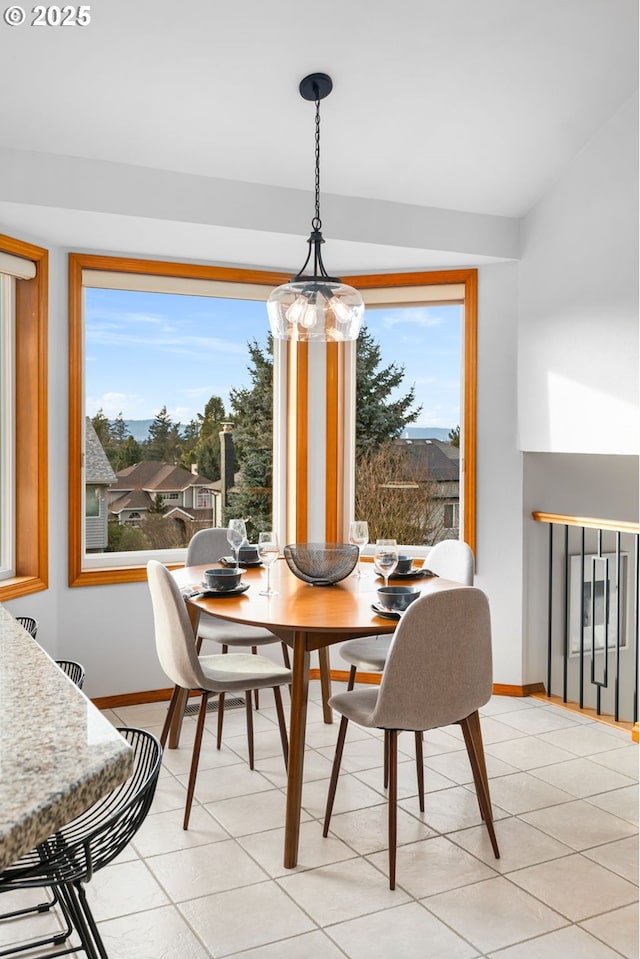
x: 385, y: 558
x: 236, y: 537
x: 268, y: 551
x: 359, y: 536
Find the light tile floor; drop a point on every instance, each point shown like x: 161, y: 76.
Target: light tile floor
x: 565, y: 797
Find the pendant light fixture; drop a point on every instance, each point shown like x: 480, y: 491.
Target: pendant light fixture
x: 315, y: 306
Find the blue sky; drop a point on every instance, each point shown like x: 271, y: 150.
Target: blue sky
x: 148, y: 350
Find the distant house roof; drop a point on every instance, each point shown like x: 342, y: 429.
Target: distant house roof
x: 135, y: 499
x: 430, y: 459
x: 158, y: 478
x: 97, y: 468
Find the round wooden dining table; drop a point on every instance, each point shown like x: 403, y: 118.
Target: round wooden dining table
x: 306, y: 618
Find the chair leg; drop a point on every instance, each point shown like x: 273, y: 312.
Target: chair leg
x: 56, y: 939
x: 352, y: 678
x: 170, y: 714
x: 254, y: 650
x: 220, y: 719
x: 75, y: 914
x: 475, y: 750
x: 247, y: 702
x: 202, y: 715
x: 385, y: 771
x: 420, y: 769
x: 286, y: 660
x: 91, y: 922
x: 283, y: 726
x: 335, y: 771
x: 391, y: 738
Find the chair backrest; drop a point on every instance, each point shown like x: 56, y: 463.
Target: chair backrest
x: 28, y: 623
x: 207, y: 546
x: 439, y: 667
x: 75, y: 671
x: 99, y: 834
x: 175, y: 642
x: 451, y: 559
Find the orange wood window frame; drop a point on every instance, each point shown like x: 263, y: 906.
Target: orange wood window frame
x: 31, y: 480
x: 297, y: 395
x: 335, y: 463
x: 77, y: 263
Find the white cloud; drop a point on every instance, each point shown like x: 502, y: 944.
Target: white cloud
x: 416, y: 316
x: 130, y: 405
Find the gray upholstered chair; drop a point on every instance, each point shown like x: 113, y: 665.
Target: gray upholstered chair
x: 231, y: 673
x: 207, y: 546
x: 438, y: 672
x: 451, y: 559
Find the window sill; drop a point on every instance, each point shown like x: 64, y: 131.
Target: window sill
x: 109, y: 575
x: 16, y: 586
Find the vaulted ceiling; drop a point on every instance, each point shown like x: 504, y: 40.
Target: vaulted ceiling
x: 474, y: 106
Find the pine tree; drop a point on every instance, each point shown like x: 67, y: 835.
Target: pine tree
x: 206, y: 450
x: 164, y: 443
x: 102, y: 426
x: 377, y: 417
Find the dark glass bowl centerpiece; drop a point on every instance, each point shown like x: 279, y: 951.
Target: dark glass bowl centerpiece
x: 321, y: 564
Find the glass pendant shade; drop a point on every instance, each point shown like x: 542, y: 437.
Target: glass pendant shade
x: 314, y: 308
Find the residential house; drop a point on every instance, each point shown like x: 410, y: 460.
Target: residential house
x: 187, y: 497
x: 437, y: 463
x: 99, y: 476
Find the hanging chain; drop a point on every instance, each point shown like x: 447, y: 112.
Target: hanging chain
x: 316, y: 223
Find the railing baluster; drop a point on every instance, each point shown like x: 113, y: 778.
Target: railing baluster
x: 550, y: 610
x: 581, y: 696
x: 565, y: 625
x: 635, y: 628
x: 593, y: 616
x: 616, y: 685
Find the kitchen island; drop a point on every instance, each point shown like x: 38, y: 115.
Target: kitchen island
x: 58, y: 754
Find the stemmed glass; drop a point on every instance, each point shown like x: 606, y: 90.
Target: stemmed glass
x: 385, y: 558
x: 236, y: 537
x: 268, y: 552
x: 359, y: 536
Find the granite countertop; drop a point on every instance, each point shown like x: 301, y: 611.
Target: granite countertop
x: 58, y: 754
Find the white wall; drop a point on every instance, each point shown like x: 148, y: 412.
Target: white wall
x: 578, y: 354
x: 499, y: 469
x: 569, y: 302
x: 578, y: 302
x: 109, y: 628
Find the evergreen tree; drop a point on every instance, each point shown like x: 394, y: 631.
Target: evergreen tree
x: 377, y: 417
x: 119, y: 430
x: 102, y: 426
x: 124, y: 450
x: 129, y: 454
x: 157, y: 505
x: 207, y: 447
x: 164, y: 442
